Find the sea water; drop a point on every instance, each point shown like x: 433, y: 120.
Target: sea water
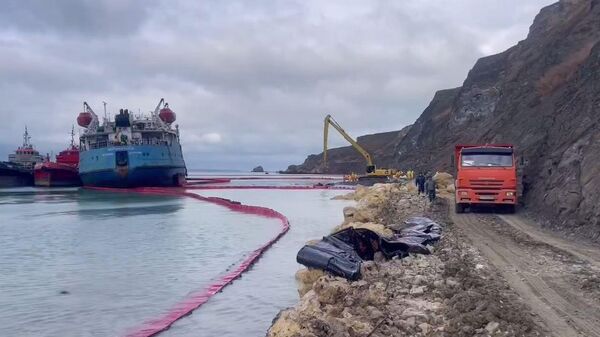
x: 75, y: 262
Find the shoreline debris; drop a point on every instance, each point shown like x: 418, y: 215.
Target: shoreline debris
x: 343, y: 252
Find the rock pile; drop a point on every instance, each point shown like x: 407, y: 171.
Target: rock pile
x: 393, y: 298
x: 444, y: 181
x: 451, y: 292
x: 374, y: 204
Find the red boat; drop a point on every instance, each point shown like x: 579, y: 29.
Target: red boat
x: 63, y: 172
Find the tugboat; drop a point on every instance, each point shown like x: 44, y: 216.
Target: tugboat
x: 131, y: 151
x: 64, y: 172
x: 18, y: 170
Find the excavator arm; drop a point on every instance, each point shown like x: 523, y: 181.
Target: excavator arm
x: 330, y: 121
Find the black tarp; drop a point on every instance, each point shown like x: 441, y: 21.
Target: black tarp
x: 342, y: 252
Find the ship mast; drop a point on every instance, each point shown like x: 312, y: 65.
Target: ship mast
x: 72, y: 136
x: 26, y: 138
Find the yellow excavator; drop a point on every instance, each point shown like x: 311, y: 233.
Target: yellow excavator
x: 372, y: 171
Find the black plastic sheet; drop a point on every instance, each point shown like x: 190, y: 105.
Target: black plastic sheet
x: 342, y: 252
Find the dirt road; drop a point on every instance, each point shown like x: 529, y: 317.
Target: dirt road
x: 557, y: 278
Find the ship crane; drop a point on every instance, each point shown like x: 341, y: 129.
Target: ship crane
x: 163, y: 114
x: 88, y: 118
x: 158, y: 107
x: 372, y: 170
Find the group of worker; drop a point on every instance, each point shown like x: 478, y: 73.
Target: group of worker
x: 426, y: 185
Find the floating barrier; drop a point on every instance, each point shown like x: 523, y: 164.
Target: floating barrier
x: 266, y: 187
x: 201, y: 181
x: 197, y: 299
x: 267, y: 178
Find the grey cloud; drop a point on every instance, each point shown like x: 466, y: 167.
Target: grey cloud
x: 86, y: 18
x: 260, y: 74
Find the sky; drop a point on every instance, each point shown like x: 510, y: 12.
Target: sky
x: 250, y: 81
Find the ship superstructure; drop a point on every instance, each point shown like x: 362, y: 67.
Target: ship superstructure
x: 26, y: 155
x: 131, y: 151
x: 18, y: 170
x: 63, y: 172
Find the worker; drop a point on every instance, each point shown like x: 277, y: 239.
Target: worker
x: 430, y: 188
x: 525, y: 184
x: 420, y: 182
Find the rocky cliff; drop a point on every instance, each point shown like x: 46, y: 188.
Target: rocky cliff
x: 543, y: 95
x: 346, y: 159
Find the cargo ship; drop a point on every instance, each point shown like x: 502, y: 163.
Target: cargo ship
x: 131, y: 151
x: 18, y: 170
x: 64, y: 172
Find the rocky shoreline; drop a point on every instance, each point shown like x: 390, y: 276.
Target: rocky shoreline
x: 452, y: 292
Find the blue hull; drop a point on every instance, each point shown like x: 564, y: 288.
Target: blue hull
x: 138, y: 177
x: 133, y: 166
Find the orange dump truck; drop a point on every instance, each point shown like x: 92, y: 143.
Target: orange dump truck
x: 485, y: 175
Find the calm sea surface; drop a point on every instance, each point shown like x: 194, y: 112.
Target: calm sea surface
x: 75, y: 262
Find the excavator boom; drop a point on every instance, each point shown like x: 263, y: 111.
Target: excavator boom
x: 330, y: 121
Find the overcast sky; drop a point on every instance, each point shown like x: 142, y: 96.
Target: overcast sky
x: 250, y: 81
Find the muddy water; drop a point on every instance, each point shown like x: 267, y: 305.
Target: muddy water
x: 83, y: 263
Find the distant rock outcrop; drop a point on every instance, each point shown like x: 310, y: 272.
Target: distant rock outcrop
x: 258, y: 169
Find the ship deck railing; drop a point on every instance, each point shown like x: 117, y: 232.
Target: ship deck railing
x: 100, y: 145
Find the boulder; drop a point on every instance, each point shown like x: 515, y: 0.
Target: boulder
x: 443, y: 180
x: 375, y: 227
x: 305, y: 278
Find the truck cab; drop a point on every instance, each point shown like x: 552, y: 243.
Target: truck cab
x: 485, y: 175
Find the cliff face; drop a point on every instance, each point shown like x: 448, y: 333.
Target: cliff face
x: 346, y: 159
x: 543, y: 95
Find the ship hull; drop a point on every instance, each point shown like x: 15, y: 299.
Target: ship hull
x: 133, y: 166
x: 12, y: 177
x: 15, y: 181
x: 56, y: 175
x: 137, y: 177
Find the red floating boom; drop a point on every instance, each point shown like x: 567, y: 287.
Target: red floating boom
x: 197, y: 299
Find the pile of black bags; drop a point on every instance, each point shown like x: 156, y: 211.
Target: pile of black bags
x: 342, y: 252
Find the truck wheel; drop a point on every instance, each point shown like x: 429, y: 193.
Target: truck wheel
x: 459, y: 208
x: 510, y: 209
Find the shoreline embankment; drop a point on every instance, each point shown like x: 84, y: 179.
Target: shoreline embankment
x: 451, y: 292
